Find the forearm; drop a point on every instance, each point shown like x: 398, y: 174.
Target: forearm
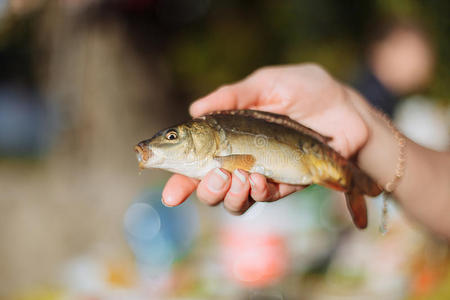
x: 424, y: 189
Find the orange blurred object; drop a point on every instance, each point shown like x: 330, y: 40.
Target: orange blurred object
x: 121, y: 274
x: 254, y: 259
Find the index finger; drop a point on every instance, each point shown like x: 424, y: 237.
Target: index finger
x: 177, y: 189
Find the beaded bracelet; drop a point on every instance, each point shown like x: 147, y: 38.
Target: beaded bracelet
x: 399, y: 169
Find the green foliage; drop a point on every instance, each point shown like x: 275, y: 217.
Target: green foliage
x: 235, y: 37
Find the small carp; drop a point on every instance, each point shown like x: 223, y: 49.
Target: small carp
x: 273, y: 145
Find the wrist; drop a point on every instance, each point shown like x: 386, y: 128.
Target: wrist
x: 379, y: 156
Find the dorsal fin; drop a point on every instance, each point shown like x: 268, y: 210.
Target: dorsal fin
x: 277, y: 119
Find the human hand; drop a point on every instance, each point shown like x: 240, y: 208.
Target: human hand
x: 305, y: 93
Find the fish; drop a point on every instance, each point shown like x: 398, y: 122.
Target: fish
x: 270, y: 144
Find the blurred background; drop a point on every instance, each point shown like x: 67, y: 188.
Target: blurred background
x: 82, y: 81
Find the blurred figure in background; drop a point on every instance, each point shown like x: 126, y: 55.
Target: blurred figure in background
x: 400, y: 61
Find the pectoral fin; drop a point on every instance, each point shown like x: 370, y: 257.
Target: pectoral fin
x: 236, y: 161
x: 357, y: 206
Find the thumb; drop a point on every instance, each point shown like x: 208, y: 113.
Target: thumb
x: 235, y: 96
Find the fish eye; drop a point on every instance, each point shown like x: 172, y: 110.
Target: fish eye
x: 171, y: 135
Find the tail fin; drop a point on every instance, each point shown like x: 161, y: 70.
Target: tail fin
x: 357, y: 207
x: 362, y: 185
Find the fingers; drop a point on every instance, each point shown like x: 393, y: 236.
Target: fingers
x: 219, y: 185
x: 262, y: 190
x: 236, y: 200
x: 178, y: 188
x: 214, y: 186
x: 287, y: 189
x: 235, y: 96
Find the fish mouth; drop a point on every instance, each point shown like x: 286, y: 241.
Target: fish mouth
x: 143, y: 154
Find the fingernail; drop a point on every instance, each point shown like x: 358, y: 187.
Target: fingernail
x: 167, y: 202
x: 235, y: 186
x: 239, y: 175
x: 217, y: 181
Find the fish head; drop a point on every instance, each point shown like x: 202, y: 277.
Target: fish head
x: 176, y: 148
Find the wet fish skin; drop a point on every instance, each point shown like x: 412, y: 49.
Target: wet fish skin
x: 258, y: 142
